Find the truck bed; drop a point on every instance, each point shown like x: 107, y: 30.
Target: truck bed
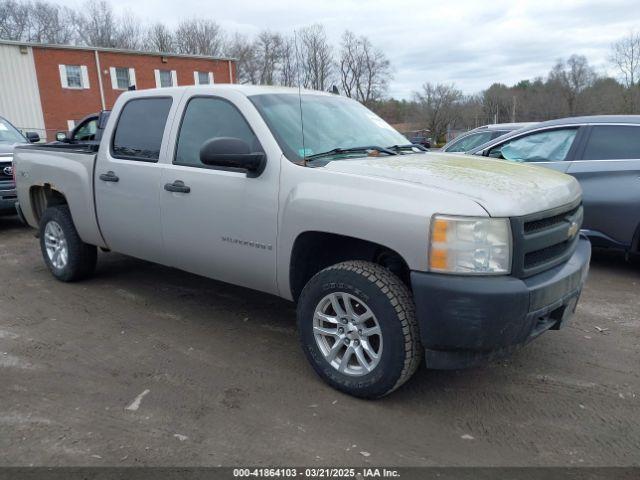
x: 63, y: 168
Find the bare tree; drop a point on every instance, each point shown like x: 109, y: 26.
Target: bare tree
x: 438, y: 106
x: 14, y: 20
x: 268, y: 47
x: 159, y: 39
x: 199, y: 37
x: 626, y: 57
x: 50, y: 23
x: 316, y: 60
x: 242, y: 49
x: 364, y: 70
x: 129, y: 32
x: 97, y: 25
x: 572, y: 78
x: 289, y: 63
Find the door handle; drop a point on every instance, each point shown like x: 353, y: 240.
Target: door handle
x: 177, y: 186
x: 109, y: 177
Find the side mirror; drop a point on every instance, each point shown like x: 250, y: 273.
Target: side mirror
x: 232, y: 153
x: 61, y: 136
x: 33, y: 137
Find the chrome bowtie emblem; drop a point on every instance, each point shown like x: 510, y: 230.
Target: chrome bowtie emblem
x: 573, y: 230
x: 8, y: 171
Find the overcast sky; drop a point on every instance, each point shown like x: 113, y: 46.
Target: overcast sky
x: 471, y: 43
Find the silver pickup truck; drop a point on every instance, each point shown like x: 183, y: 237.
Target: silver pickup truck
x: 391, y: 254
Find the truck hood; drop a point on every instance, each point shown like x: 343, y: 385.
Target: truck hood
x: 502, y: 188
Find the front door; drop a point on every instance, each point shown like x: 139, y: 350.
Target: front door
x: 127, y: 179
x: 608, y: 170
x: 220, y: 223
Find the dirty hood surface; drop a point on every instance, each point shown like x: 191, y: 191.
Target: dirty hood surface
x: 502, y: 188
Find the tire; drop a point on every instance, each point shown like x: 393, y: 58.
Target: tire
x: 80, y: 259
x: 369, y: 289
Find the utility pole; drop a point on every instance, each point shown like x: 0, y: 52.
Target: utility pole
x: 513, y: 110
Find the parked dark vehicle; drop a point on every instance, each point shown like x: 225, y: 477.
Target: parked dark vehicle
x: 10, y: 136
x: 419, y: 138
x: 88, y: 131
x: 603, y: 153
x: 481, y: 135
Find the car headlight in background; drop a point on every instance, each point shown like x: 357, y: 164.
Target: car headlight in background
x: 470, y: 245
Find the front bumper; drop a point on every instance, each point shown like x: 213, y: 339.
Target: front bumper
x: 466, y: 320
x: 8, y: 199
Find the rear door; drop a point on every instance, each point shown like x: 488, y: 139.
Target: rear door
x: 127, y: 177
x: 608, y: 169
x: 225, y: 225
x: 550, y: 148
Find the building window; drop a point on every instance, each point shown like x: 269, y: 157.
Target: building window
x: 74, y: 76
x: 203, y: 78
x: 166, y: 78
x: 122, y: 78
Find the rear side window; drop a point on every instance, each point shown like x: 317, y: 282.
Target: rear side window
x: 613, y: 142
x: 140, y: 128
x: 470, y: 142
x: 206, y: 118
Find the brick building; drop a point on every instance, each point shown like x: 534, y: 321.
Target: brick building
x: 47, y: 88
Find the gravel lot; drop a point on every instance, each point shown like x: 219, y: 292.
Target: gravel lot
x: 146, y: 365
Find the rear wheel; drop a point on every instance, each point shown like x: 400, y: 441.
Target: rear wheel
x: 358, y: 328
x: 66, y: 255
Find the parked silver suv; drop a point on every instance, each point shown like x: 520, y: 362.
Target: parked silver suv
x: 603, y: 153
x: 481, y: 135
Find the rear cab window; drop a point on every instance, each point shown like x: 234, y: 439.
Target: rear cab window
x: 613, y: 142
x: 140, y: 128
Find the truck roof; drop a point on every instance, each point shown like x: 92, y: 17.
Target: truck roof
x: 247, y: 90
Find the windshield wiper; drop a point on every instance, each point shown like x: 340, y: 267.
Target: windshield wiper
x: 408, y: 146
x: 337, y: 151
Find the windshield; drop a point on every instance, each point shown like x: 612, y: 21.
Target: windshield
x: 330, y: 122
x: 9, y: 134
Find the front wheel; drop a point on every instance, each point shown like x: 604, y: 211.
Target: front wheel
x: 66, y: 255
x: 358, y: 328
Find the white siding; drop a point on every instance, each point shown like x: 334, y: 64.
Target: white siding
x: 19, y: 94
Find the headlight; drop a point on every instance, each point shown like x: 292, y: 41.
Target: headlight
x: 470, y: 245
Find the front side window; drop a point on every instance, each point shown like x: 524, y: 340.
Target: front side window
x: 546, y: 146
x: 613, y: 142
x: 9, y: 134
x: 330, y: 122
x: 140, y: 128
x: 74, y: 76
x: 122, y: 78
x: 206, y: 118
x: 166, y: 79
x: 469, y: 142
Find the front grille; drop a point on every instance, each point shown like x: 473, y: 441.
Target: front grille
x: 541, y: 224
x: 4, y: 175
x: 544, y: 240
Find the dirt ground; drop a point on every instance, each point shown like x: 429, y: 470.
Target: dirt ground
x: 146, y: 365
